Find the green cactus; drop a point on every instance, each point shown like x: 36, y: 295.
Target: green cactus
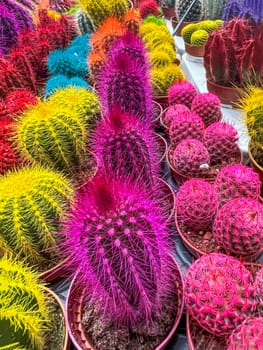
x: 23, y: 309
x: 52, y: 136
x: 208, y: 26
x: 33, y: 202
x: 164, y: 77
x: 199, y: 38
x: 215, y: 8
x: 187, y: 32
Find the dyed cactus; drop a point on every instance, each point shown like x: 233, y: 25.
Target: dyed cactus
x: 259, y: 286
x: 220, y: 140
x: 238, y: 226
x: 232, y: 9
x: 173, y: 112
x: 190, y: 157
x: 147, y: 8
x: 33, y: 203
x: 61, y: 82
x: 11, y: 78
x: 235, y: 181
x: 197, y: 12
x: 199, y: 38
x: 52, y: 136
x: 160, y: 58
x: 9, y: 28
x: 132, y: 21
x: 208, y: 26
x: 21, y: 14
x: 126, y: 147
x: 163, y: 78
x: 196, y: 204
x: 186, y: 125
x: 249, y: 332
x: 215, y: 9
x: 118, y: 242
x: 187, y: 32
x: 215, y: 280
x: 16, y: 102
x: 124, y: 83
x: 23, y: 308
x: 182, y: 93
x: 208, y: 107
x: 252, y: 9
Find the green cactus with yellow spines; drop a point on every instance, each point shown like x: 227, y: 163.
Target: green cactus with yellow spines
x: 33, y: 202
x: 187, y: 32
x: 199, y: 38
x: 153, y: 19
x: 208, y: 25
x: 82, y: 101
x: 219, y: 23
x: 164, y: 77
x: 155, y: 39
x: 162, y: 56
x: 150, y: 27
x: 24, y: 314
x: 52, y: 136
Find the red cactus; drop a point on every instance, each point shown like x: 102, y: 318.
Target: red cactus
x: 18, y: 100
x: 8, y: 158
x: 148, y: 7
x: 10, y: 78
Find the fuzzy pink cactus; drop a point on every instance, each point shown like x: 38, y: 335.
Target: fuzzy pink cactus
x: 248, y: 335
x: 182, y: 93
x: 186, y: 125
x: 190, y: 157
x: 238, y: 226
x: 219, y: 293
x: 259, y: 286
x: 208, y: 107
x: 235, y: 181
x: 221, y: 141
x: 125, y: 146
x: 118, y: 242
x: 172, y: 112
x: 196, y: 204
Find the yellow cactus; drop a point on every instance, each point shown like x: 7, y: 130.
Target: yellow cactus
x: 209, y: 26
x: 162, y: 56
x: 163, y: 78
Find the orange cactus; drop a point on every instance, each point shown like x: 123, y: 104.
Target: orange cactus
x: 132, y: 21
x: 95, y: 62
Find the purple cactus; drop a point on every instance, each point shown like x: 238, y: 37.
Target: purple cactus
x: 118, y: 242
x: 21, y: 14
x: 9, y: 29
x: 124, y: 83
x: 125, y: 146
x: 232, y: 9
x: 252, y: 9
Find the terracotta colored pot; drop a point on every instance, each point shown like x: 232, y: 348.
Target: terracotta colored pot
x: 196, y: 51
x: 257, y: 168
x: 56, y: 273
x: 175, y: 22
x: 228, y: 95
x: 168, y: 12
x: 162, y: 100
x: 157, y: 111
x: 75, y: 307
x: 67, y: 343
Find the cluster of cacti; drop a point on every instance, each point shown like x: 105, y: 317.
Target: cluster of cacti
x: 238, y: 226
x: 196, y: 204
x: 197, y: 34
x: 124, y: 264
x: 147, y: 8
x: 126, y: 147
x: 197, y: 13
x: 231, y: 54
x: 24, y: 313
x: 235, y: 181
x: 249, y: 332
x: 182, y: 93
x: 33, y: 203
x: 214, y: 281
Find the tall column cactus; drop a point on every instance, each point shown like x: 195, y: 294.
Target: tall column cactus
x: 33, y: 201
x: 23, y: 309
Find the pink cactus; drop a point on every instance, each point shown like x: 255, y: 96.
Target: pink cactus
x: 208, y: 107
x: 219, y: 293
x: 238, y: 226
x: 186, y: 125
x: 148, y: 7
x: 235, y: 181
x: 259, y: 286
x: 196, y: 204
x: 118, y: 241
x: 172, y: 112
x: 190, y: 157
x: 182, y: 93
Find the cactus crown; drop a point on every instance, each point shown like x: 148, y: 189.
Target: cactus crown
x: 23, y: 309
x: 199, y: 38
x: 163, y: 78
x: 119, y: 244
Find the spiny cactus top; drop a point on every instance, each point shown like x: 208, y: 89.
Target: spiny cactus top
x: 32, y: 203
x: 197, y: 12
x: 119, y: 243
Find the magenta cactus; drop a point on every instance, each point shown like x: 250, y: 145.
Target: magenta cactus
x: 235, y: 181
x: 248, y: 335
x: 124, y: 83
x: 208, y: 107
x: 172, y: 112
x: 196, y: 204
x: 190, y: 157
x: 219, y: 293
x: 238, y: 226
x: 182, y: 93
x: 125, y: 146
x: 118, y: 242
x: 186, y: 125
x: 21, y: 14
x: 221, y: 141
x: 259, y: 286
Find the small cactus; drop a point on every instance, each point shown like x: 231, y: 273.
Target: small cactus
x: 216, y: 280
x: 148, y: 7
x: 196, y: 204
x: 199, y: 38
x: 182, y: 93
x: 33, y: 202
x: 96, y: 62
x: 208, y: 107
x: 160, y: 58
x: 16, y: 102
x: 187, y: 32
x: 24, y: 313
x: 172, y: 112
x: 238, y: 226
